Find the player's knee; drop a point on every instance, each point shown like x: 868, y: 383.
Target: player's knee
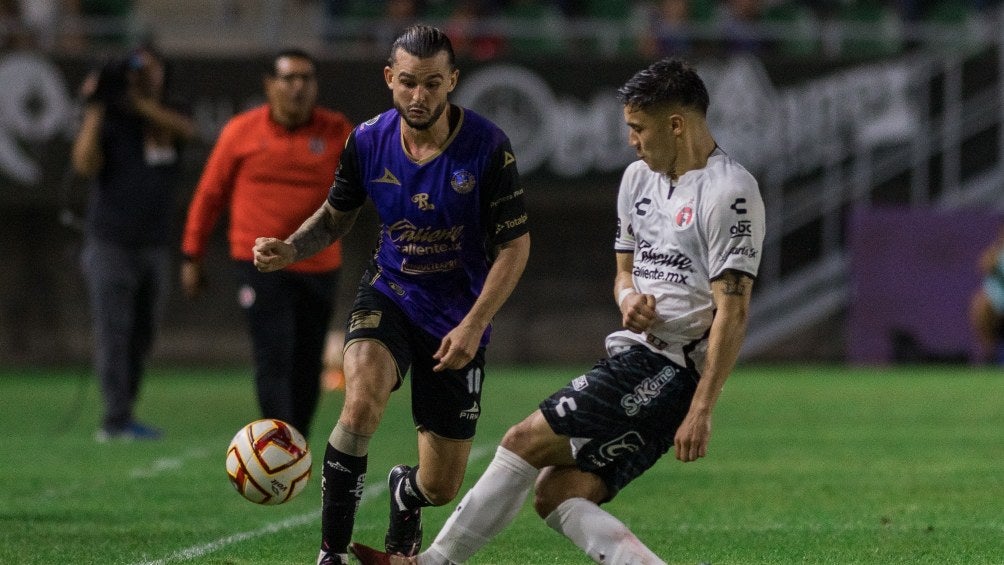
x: 514, y: 438
x: 362, y: 415
x: 520, y: 438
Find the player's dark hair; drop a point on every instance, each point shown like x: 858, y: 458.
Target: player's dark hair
x: 423, y: 42
x: 666, y: 82
x: 294, y: 53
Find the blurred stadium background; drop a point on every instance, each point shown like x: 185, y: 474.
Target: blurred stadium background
x: 875, y: 129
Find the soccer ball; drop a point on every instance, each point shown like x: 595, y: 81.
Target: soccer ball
x: 268, y: 461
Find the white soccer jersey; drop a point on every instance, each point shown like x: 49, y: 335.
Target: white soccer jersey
x: 683, y: 235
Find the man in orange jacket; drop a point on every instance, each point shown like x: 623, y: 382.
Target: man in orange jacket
x: 271, y: 168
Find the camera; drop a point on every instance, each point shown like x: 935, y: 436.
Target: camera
x: 113, y: 79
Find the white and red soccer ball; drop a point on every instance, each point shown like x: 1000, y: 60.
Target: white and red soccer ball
x: 268, y: 461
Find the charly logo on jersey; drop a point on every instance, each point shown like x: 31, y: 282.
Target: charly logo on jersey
x: 641, y: 206
x: 683, y: 217
x: 462, y: 181
x: 316, y: 145
x: 387, y: 177
x: 739, y: 206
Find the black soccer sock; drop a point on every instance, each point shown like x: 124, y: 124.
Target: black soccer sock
x: 342, y: 480
x: 410, y: 494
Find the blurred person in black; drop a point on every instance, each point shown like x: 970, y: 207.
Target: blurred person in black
x: 128, y: 145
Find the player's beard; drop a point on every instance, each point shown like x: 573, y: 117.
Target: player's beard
x: 424, y: 125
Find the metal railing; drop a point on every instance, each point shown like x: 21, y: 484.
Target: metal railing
x: 951, y: 121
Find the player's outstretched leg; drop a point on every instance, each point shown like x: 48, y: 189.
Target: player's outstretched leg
x: 404, y: 534
x: 370, y: 556
x: 604, y: 538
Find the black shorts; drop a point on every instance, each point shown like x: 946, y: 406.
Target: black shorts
x: 447, y: 403
x: 622, y: 415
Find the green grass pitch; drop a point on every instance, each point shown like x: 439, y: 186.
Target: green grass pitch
x: 807, y: 465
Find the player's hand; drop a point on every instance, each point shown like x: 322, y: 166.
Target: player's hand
x: 691, y: 441
x: 271, y: 254
x: 638, y: 311
x: 89, y: 85
x: 457, y: 348
x: 192, y: 279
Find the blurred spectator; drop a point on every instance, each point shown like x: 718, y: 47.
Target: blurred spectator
x: 386, y: 21
x: 539, y: 28
x: 470, y: 39
x: 571, y: 8
x: 986, y: 311
x: 397, y: 16
x: 129, y: 144
x: 739, y: 22
x: 34, y: 24
x: 667, y: 32
x: 402, y: 13
x: 10, y: 24
x: 40, y: 19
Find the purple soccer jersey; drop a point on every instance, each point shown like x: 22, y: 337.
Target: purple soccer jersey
x: 440, y: 218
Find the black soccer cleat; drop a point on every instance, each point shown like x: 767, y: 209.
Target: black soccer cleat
x: 404, y: 534
x: 325, y: 558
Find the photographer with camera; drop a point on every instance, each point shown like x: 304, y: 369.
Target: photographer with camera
x: 129, y: 145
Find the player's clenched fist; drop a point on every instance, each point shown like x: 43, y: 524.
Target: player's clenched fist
x: 638, y: 311
x: 271, y: 254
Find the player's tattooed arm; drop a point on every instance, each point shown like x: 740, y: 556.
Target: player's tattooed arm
x: 736, y: 283
x: 320, y: 230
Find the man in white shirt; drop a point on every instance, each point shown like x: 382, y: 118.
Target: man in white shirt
x: 690, y: 231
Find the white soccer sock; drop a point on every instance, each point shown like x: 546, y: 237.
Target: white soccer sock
x: 605, y: 539
x: 485, y: 510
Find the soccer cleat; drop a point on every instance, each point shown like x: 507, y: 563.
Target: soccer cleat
x: 404, y: 534
x: 369, y: 556
x: 326, y: 558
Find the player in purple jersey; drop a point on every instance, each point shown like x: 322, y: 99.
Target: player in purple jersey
x: 689, y: 238
x: 454, y: 241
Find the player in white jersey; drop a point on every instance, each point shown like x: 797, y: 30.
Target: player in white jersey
x: 689, y: 238
x: 681, y: 235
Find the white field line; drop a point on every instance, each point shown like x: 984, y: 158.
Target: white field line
x: 154, y: 468
x: 167, y: 464
x: 197, y: 551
